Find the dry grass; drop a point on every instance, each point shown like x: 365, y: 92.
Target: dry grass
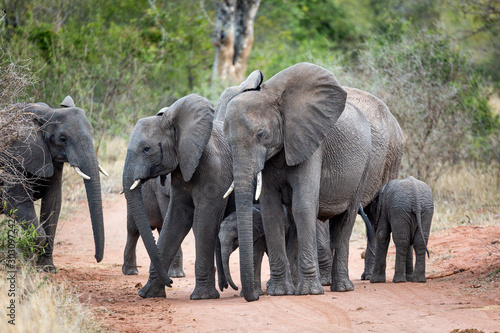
x: 463, y: 195
x: 44, y: 306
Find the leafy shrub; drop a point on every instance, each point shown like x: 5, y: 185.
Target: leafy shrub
x: 436, y: 95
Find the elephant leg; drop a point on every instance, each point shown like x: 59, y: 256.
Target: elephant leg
x: 369, y: 259
x: 401, y: 236
x: 383, y: 239
x: 20, y: 207
x: 273, y: 218
x: 258, y: 254
x: 205, y: 228
x: 177, y: 224
x: 325, y: 255
x: 341, y: 228
x: 419, y: 273
x: 129, y: 266
x: 400, y: 267
x: 176, y: 270
x: 49, y: 214
x: 409, y: 264
x: 292, y: 248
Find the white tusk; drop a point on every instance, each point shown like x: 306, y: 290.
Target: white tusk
x: 259, y: 185
x: 78, y: 171
x: 135, y: 184
x: 231, y: 188
x: 103, y: 171
x: 121, y: 192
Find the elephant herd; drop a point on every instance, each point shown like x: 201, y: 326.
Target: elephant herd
x: 279, y: 167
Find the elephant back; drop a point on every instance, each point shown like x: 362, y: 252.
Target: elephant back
x: 387, y: 141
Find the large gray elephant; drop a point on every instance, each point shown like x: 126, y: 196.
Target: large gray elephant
x: 156, y: 197
x: 405, y: 208
x: 186, y: 143
x: 317, y: 152
x: 63, y: 135
x: 312, y: 150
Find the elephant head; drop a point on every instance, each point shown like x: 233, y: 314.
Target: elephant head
x: 65, y: 135
x: 173, y: 139
x: 289, y: 115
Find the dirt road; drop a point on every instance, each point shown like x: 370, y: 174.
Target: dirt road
x: 466, y: 300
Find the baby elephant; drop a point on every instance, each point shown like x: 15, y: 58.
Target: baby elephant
x: 156, y: 194
x: 405, y: 208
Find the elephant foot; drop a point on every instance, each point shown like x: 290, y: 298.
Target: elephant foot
x: 377, y: 278
x: 176, y: 272
x: 257, y: 290
x: 309, y: 286
x: 365, y: 276
x: 45, y: 264
x: 409, y: 277
x: 420, y: 278
x: 154, y: 288
x: 204, y: 293
x: 399, y: 278
x: 279, y: 287
x: 342, y: 284
x: 129, y: 270
x: 325, y: 277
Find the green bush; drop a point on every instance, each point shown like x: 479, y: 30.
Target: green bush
x: 18, y: 243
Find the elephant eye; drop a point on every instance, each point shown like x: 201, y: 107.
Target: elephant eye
x: 260, y: 134
x: 146, y: 149
x: 62, y: 138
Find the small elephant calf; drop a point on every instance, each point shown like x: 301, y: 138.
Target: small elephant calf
x: 228, y: 236
x: 405, y: 208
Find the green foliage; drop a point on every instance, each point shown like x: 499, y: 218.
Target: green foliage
x: 18, y: 243
x: 436, y: 95
x: 124, y: 59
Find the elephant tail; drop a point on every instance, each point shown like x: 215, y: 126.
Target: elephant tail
x: 368, y: 225
x: 418, y: 213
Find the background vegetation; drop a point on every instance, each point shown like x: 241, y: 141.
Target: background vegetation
x: 434, y: 63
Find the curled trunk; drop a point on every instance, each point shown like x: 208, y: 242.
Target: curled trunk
x: 135, y: 206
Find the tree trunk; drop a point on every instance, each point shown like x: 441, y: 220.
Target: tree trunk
x: 233, y: 38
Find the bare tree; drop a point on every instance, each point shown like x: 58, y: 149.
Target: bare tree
x: 15, y: 122
x: 233, y: 37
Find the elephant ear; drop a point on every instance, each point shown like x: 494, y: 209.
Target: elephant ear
x: 253, y: 82
x: 311, y: 100
x: 68, y: 102
x: 192, y: 118
x: 33, y: 151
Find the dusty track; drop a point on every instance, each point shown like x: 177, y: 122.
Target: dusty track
x: 466, y: 300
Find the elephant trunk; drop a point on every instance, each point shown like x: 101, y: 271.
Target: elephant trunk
x: 244, y: 188
x: 90, y: 166
x: 226, y: 250
x: 135, y: 206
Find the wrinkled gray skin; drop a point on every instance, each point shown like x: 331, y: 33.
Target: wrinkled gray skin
x: 405, y: 208
x: 299, y: 131
x: 228, y: 236
x: 156, y: 199
x: 65, y: 135
x: 387, y: 142
x: 186, y: 143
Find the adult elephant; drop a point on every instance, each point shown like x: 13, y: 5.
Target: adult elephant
x: 386, y: 151
x: 63, y: 135
x: 312, y: 150
x: 156, y: 197
x: 186, y: 143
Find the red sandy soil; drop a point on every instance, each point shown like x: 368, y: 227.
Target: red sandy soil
x: 467, y: 299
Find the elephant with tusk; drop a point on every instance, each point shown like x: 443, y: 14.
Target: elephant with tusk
x: 64, y: 135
